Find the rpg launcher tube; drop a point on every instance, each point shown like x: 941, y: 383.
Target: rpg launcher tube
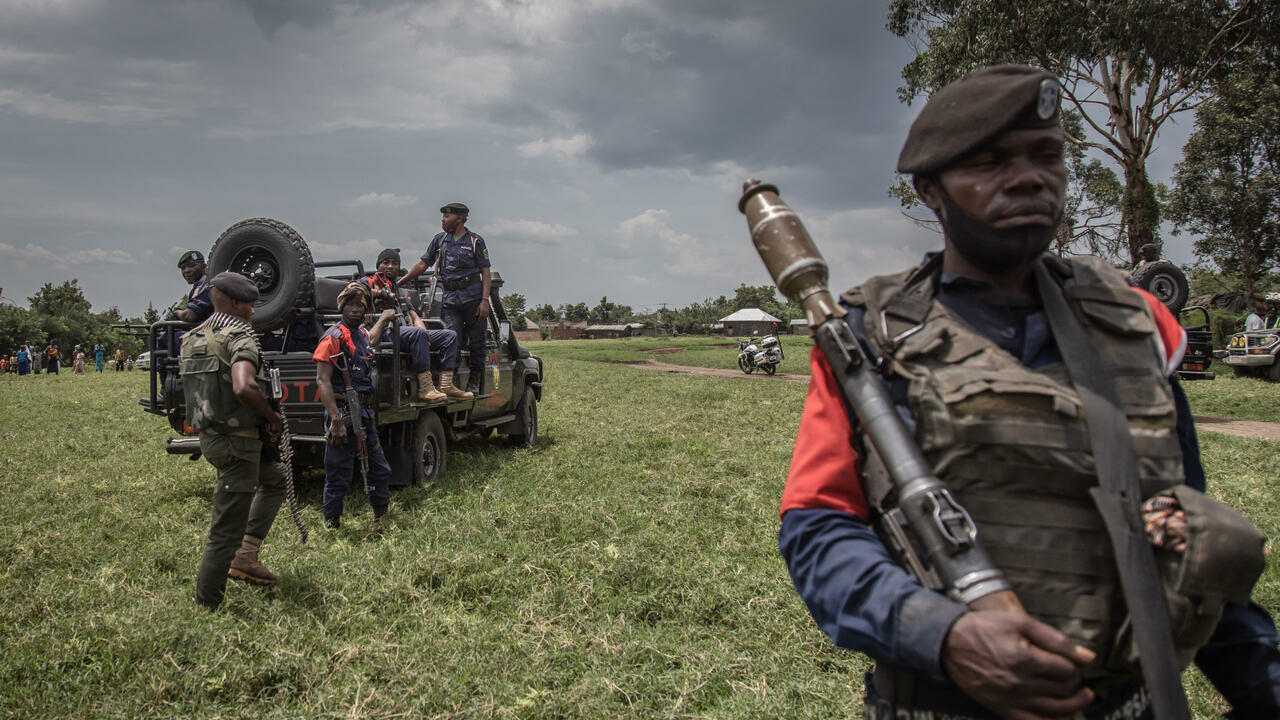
x: 946, y: 533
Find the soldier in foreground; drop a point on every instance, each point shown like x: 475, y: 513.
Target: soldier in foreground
x: 464, y: 272
x: 224, y: 382
x: 415, y: 338
x: 342, y: 363
x: 970, y: 346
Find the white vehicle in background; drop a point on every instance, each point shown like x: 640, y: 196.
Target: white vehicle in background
x: 143, y: 362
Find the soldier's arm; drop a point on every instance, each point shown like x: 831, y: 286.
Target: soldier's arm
x: 324, y: 381
x: 375, y: 332
x: 482, y: 310
x: 244, y: 384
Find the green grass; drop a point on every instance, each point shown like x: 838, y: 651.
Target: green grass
x: 1229, y: 396
x: 627, y: 567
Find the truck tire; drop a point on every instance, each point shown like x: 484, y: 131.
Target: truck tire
x: 429, y: 449
x: 527, y: 420
x: 1273, y: 372
x: 276, y: 258
x: 1164, y: 280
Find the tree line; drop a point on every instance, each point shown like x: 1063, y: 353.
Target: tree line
x: 62, y: 315
x: 697, y: 317
x: 1128, y: 67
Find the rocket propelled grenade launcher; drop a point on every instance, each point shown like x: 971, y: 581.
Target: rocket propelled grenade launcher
x: 934, y: 535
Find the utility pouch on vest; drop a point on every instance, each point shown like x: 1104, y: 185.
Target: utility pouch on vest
x: 1222, y: 560
x: 201, y: 388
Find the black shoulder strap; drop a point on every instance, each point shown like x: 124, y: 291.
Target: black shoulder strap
x: 1118, y: 498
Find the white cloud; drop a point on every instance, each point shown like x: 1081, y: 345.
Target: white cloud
x: 560, y: 148
x: 534, y: 231
x: 365, y: 250
x: 377, y: 199
x: 37, y: 256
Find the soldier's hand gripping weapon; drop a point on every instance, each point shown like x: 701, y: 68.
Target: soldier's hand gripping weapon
x: 932, y: 534
x: 286, y: 452
x: 435, y: 279
x: 353, y: 409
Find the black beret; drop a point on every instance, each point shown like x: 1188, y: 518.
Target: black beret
x: 235, y: 286
x: 455, y: 209
x: 190, y: 256
x: 972, y: 111
x: 393, y: 253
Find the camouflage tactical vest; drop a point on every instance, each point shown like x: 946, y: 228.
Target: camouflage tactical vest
x: 211, y: 402
x: 1012, y: 444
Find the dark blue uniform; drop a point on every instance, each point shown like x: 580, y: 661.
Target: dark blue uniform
x: 339, y: 460
x: 461, y: 280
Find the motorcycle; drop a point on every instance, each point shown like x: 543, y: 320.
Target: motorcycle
x: 765, y: 356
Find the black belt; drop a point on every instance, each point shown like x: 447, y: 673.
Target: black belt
x: 1126, y: 706
x: 460, y: 283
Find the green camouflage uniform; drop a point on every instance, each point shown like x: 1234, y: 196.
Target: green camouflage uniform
x: 249, y: 490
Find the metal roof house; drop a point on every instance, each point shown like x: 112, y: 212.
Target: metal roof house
x: 752, y: 321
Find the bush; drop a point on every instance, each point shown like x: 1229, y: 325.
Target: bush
x: 1224, y: 325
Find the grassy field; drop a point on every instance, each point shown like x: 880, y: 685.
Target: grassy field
x: 627, y: 567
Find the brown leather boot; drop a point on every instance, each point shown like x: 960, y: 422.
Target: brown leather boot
x: 245, y: 565
x: 446, y: 387
x: 427, y: 390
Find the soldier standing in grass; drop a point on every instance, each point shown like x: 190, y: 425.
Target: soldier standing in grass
x: 975, y: 352
x: 464, y: 273
x: 224, y: 383
x: 345, y: 347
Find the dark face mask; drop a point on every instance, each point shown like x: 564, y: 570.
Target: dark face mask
x: 994, y: 250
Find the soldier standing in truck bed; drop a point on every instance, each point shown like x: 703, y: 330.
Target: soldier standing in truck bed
x: 464, y: 273
x: 224, y: 383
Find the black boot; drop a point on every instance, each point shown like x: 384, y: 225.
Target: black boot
x: 332, y: 523
x: 473, y: 383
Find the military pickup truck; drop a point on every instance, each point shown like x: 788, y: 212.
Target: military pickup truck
x: 298, y: 300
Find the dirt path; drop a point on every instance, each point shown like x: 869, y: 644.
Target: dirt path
x: 1238, y: 427
x: 1210, y: 423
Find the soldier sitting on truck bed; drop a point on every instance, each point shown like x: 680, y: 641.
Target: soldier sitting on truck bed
x: 415, y: 338
x: 343, y: 360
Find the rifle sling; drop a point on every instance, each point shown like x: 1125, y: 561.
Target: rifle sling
x: 1118, y: 497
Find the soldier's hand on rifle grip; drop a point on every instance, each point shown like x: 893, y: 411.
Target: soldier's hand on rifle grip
x: 337, y: 432
x: 1016, y: 665
x: 275, y: 425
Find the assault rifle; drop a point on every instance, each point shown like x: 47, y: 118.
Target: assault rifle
x: 435, y: 279
x: 931, y: 533
x: 353, y: 409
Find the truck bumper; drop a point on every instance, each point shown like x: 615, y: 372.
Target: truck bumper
x: 1196, y: 375
x: 1249, y: 360
x: 183, y: 446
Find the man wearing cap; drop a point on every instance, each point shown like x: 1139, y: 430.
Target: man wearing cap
x: 195, y: 306
x: 415, y: 338
x: 225, y: 385
x: 464, y: 273
x: 345, y: 346
x: 970, y: 355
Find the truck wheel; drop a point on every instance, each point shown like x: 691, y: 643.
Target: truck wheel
x: 1164, y: 280
x: 429, y: 449
x: 527, y: 417
x: 276, y: 258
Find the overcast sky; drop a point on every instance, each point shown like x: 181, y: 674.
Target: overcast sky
x: 601, y: 144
